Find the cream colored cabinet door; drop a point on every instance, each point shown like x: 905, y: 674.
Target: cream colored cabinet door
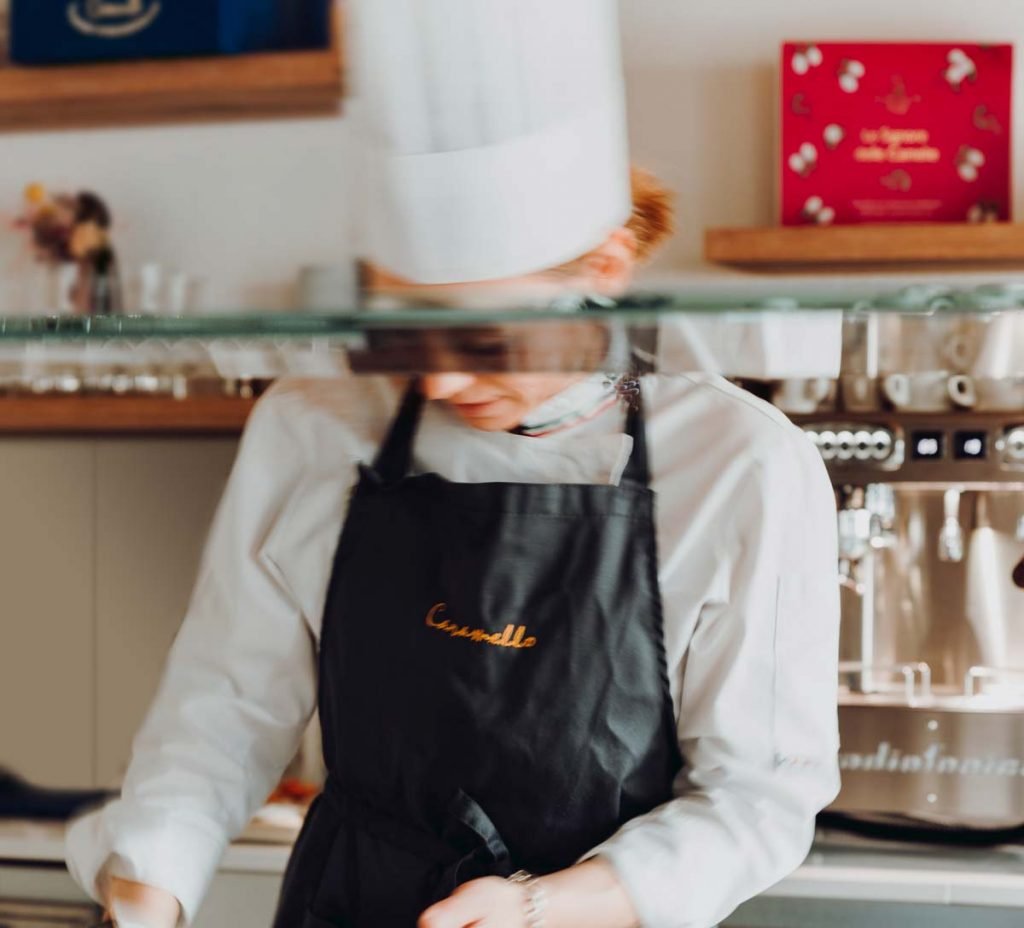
x: 47, y: 615
x: 155, y: 499
x: 234, y: 898
x: 248, y: 899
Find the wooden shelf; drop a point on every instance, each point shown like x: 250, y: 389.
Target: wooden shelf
x: 867, y: 246
x: 153, y: 415
x: 274, y: 84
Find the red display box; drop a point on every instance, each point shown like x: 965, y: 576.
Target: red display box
x: 895, y: 132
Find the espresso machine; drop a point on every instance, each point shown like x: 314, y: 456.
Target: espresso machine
x: 923, y: 436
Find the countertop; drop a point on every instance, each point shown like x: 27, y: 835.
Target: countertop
x: 43, y: 842
x: 140, y: 415
x: 843, y: 867
x: 839, y: 868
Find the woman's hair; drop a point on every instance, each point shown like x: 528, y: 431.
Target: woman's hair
x: 652, y: 220
x: 653, y: 217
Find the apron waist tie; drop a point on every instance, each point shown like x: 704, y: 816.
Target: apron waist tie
x: 468, y: 846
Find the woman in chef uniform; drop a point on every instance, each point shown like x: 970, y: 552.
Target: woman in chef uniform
x: 574, y: 657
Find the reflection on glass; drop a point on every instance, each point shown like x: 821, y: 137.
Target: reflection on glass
x: 917, y: 348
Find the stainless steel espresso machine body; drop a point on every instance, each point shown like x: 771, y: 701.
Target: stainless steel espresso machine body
x: 930, y: 510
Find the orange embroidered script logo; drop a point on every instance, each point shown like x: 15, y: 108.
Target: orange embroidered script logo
x: 512, y: 637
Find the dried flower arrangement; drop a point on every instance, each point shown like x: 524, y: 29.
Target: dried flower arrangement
x: 75, y: 229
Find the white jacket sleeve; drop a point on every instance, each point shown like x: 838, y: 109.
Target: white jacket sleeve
x: 758, y: 719
x: 238, y: 691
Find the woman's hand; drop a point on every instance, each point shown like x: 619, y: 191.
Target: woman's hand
x: 492, y: 901
x: 138, y: 904
x: 588, y: 895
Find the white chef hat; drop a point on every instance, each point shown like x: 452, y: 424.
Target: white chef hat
x: 493, y: 134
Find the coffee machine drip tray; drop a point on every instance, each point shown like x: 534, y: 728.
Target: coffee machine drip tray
x: 945, y: 756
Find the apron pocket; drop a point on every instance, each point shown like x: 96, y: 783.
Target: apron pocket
x: 482, y: 850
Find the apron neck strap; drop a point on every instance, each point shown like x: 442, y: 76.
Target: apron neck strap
x: 395, y: 456
x: 637, y: 468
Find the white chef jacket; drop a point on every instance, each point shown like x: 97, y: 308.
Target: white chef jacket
x: 747, y: 568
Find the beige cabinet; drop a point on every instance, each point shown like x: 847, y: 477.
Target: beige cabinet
x: 154, y: 503
x: 248, y: 899
x: 234, y: 897
x: 47, y: 593
x: 99, y: 543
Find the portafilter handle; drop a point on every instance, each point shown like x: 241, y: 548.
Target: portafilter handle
x: 854, y: 533
x: 951, y: 535
x: 880, y: 501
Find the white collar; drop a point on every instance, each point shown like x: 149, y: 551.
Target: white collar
x: 572, y: 404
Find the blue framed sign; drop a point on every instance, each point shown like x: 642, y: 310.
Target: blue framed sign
x: 50, y: 31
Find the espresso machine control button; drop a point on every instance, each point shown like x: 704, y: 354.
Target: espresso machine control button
x: 927, y: 445
x: 970, y: 446
x: 846, y: 445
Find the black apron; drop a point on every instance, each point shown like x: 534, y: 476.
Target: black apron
x: 493, y: 689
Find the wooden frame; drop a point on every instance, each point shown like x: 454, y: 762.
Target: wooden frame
x: 272, y: 84
x: 867, y: 246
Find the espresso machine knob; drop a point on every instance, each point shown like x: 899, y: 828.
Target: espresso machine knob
x: 863, y: 445
x: 1013, y: 444
x: 828, y: 444
x: 845, y: 443
x: 881, y: 444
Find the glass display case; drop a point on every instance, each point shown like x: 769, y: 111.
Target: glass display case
x: 913, y: 397
x: 867, y: 343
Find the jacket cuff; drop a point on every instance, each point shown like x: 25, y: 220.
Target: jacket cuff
x: 627, y: 858
x: 178, y: 857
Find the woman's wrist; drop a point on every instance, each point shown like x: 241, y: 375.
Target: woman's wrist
x: 535, y: 899
x: 588, y: 894
x: 136, y: 905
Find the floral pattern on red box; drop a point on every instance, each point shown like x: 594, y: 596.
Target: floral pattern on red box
x: 895, y: 132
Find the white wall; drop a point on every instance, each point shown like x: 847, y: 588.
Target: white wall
x: 242, y: 204
x: 702, y: 89
x: 247, y: 204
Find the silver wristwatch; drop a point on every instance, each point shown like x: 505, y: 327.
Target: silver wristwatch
x: 536, y: 897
